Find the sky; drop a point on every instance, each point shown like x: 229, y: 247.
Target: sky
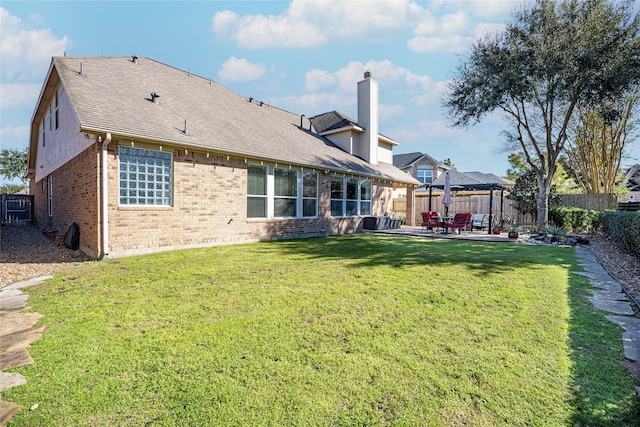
x: 302, y: 56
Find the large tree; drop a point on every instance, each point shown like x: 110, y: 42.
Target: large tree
x: 13, y: 164
x: 597, y: 143
x: 552, y: 57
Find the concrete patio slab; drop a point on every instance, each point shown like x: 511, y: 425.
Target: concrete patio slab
x: 9, y: 303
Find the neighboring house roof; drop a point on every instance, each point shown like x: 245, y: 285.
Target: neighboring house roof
x: 332, y: 121
x: 406, y: 160
x: 470, y: 181
x: 335, y: 121
x: 113, y: 94
x: 632, y: 178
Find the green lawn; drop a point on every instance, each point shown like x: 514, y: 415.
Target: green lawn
x: 340, y: 331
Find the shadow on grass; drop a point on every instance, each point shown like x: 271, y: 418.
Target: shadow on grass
x: 480, y: 258
x: 603, y: 390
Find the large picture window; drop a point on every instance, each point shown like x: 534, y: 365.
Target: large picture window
x: 274, y: 192
x: 350, y: 197
x: 257, y: 192
x: 146, y: 177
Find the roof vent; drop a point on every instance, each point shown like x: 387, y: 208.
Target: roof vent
x: 134, y: 59
x: 367, y: 74
x: 154, y: 97
x: 185, y: 131
x: 81, y: 69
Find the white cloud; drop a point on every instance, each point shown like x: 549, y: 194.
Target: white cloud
x: 240, y: 70
x: 26, y: 52
x: 15, y: 95
x: 14, y: 137
x: 385, y: 72
x: 307, y: 23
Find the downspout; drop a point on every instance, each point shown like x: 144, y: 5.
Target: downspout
x: 104, y: 199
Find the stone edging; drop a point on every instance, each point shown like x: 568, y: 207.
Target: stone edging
x: 17, y: 332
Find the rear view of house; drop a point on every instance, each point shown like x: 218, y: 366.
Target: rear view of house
x: 146, y: 157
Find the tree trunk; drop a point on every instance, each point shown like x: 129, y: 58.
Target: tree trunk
x: 542, y: 202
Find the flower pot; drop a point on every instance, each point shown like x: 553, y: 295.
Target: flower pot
x: 496, y: 230
x: 513, y: 235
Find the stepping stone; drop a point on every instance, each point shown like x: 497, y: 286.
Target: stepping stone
x: 633, y: 368
x: 612, y: 296
x: 629, y: 324
x: 12, y: 359
x: 9, y: 292
x: 15, y: 322
x: 26, y: 283
x: 7, y: 411
x: 9, y: 380
x: 21, y: 339
x: 631, y: 341
x: 608, y: 285
x: 14, y: 303
x: 617, y: 307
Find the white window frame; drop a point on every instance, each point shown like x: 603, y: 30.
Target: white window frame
x: 345, y: 201
x: 423, y: 179
x: 55, y: 111
x: 156, y: 188
x: 270, y: 196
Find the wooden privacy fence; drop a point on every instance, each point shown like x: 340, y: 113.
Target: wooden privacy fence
x: 591, y: 202
x: 479, y: 203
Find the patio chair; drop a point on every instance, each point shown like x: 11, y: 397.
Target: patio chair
x: 428, y: 220
x: 479, y: 221
x: 461, y: 222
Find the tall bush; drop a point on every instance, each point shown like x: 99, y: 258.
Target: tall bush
x: 575, y: 219
x: 623, y: 227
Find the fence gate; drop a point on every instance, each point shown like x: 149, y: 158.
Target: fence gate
x: 17, y: 209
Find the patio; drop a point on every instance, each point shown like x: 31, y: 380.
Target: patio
x: 418, y: 231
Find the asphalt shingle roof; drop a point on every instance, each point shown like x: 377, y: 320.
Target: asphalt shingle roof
x: 113, y: 94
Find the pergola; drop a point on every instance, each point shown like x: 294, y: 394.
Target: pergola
x: 472, y: 181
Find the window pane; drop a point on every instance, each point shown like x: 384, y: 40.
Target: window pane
x: 257, y: 180
x: 285, y: 182
x: 336, y: 187
x: 352, y: 189
x: 352, y: 207
x: 256, y: 207
x: 365, y: 190
x: 310, y: 184
x: 284, y: 207
x: 336, y: 207
x: 365, y: 208
x: 309, y: 207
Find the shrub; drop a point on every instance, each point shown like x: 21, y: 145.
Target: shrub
x: 623, y: 227
x: 575, y: 219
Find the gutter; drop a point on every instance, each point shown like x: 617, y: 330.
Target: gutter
x: 104, y: 199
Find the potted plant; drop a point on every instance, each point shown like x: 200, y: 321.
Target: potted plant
x: 512, y: 229
x: 497, y: 227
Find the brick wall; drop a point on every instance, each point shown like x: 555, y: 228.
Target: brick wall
x: 209, y: 207
x: 74, y: 199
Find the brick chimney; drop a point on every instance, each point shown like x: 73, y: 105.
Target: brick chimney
x: 368, y: 118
